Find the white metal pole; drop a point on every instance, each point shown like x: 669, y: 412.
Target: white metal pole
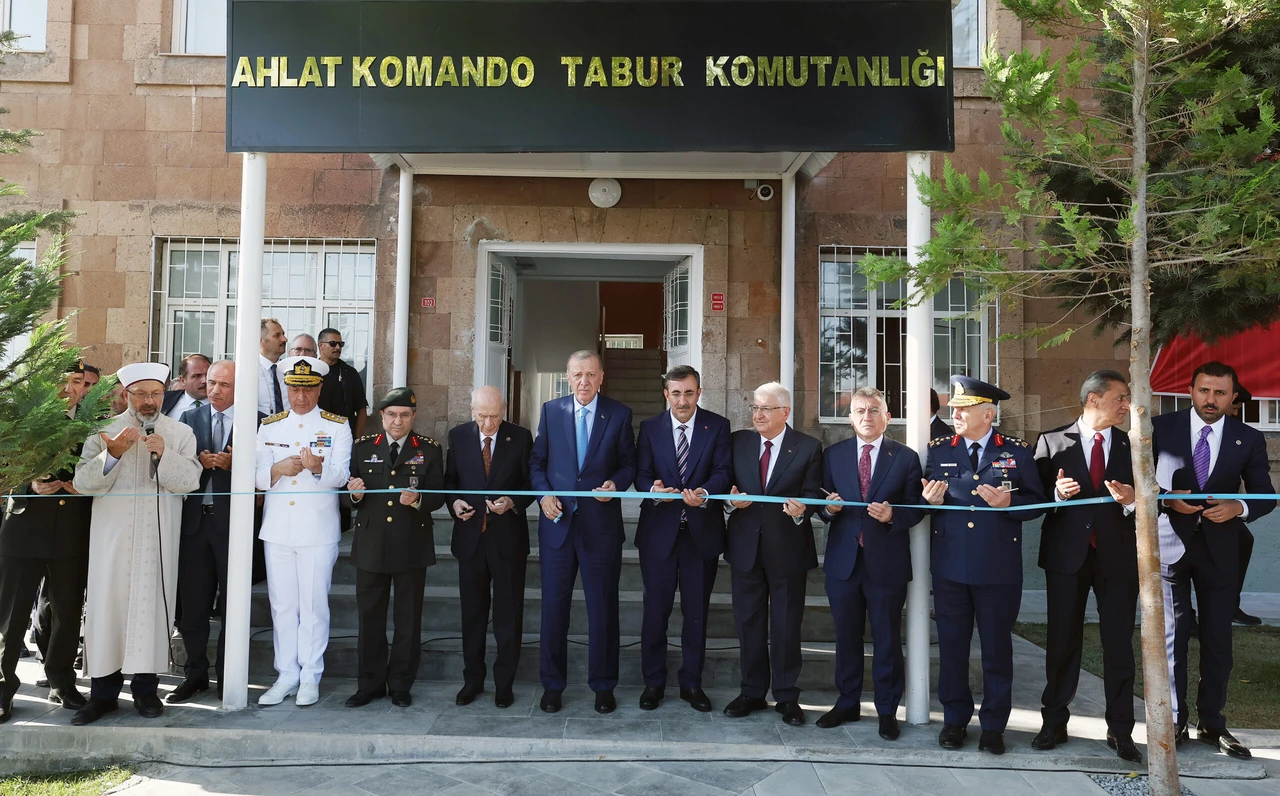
x: 404, y: 256
x: 235, y: 623
x: 919, y: 361
x: 787, y: 340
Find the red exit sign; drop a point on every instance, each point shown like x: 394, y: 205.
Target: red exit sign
x: 429, y: 302
x: 717, y: 302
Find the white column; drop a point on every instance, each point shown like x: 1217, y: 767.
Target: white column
x: 919, y: 362
x: 404, y: 256
x: 787, y: 340
x: 235, y: 623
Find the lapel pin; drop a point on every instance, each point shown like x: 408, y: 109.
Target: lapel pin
x: 1237, y: 442
x: 506, y: 439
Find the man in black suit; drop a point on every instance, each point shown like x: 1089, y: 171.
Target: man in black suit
x: 1085, y: 547
x: 937, y: 426
x: 45, y: 537
x: 192, y: 372
x: 1202, y: 450
x: 868, y: 560
x: 684, y: 451
x: 206, y: 524
x: 771, y: 550
x: 490, y: 539
x: 393, y: 546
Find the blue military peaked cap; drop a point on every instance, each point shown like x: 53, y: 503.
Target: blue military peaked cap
x: 968, y: 391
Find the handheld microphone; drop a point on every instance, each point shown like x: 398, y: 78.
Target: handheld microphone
x: 149, y: 429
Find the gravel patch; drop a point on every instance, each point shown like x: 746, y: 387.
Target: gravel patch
x: 1124, y: 785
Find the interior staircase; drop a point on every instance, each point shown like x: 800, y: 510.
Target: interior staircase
x: 634, y: 377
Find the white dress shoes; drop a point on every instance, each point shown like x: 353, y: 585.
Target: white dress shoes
x: 277, y: 693
x: 308, y: 694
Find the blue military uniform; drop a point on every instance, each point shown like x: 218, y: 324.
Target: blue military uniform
x: 977, y: 560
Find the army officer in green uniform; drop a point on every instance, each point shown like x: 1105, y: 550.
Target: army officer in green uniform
x: 393, y: 544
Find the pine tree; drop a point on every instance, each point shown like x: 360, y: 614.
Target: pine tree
x: 35, y: 436
x: 1161, y: 133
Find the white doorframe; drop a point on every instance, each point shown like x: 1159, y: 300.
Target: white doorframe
x: 624, y: 251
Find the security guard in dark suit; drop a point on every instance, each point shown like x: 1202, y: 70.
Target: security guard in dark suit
x: 45, y: 537
x: 393, y: 545
x: 977, y: 557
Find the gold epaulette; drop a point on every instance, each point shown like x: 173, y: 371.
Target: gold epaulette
x: 1022, y: 443
x: 366, y: 436
x: 427, y: 440
x: 275, y: 417
x: 331, y: 417
x: 936, y: 441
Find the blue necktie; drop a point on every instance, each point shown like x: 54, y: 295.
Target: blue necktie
x: 582, y: 437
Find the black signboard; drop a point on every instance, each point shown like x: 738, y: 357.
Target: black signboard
x: 530, y: 76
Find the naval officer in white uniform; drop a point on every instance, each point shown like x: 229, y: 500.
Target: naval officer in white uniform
x: 301, y: 451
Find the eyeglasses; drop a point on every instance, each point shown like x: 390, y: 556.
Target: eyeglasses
x: 765, y: 409
x: 298, y: 352
x: 333, y: 343
x: 147, y: 396
x: 873, y: 411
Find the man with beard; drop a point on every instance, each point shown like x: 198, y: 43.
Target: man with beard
x: 272, y: 396
x: 148, y: 461
x: 45, y: 537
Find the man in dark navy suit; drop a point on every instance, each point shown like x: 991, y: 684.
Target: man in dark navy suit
x: 1202, y: 450
x: 684, y: 451
x: 868, y: 560
x: 937, y: 426
x: 584, y: 443
x: 977, y: 558
x: 490, y: 539
x: 770, y: 549
x: 192, y: 372
x: 206, y: 523
x: 1085, y: 547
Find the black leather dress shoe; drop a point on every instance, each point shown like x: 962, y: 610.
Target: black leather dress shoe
x: 361, y: 698
x: 837, y: 716
x: 468, y: 694
x: 1180, y: 734
x: 551, y: 701
x: 744, y: 706
x: 23, y: 652
x: 6, y: 706
x: 71, y: 699
x: 187, y: 689
x: 651, y: 697
x: 889, y: 727
x: 401, y: 699
x: 1049, y: 737
x: 791, y: 713
x: 991, y: 741
x: 504, y: 697
x: 605, y: 703
x: 93, y: 711
x: 952, y: 736
x: 1225, y: 741
x: 1125, y: 748
x: 148, y: 706
x: 43, y: 682
x: 1241, y: 618
x: 697, y: 699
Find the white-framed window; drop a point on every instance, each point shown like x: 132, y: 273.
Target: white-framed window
x: 1261, y: 413
x: 24, y: 251
x: 200, y: 27
x: 862, y: 335
x: 29, y: 19
x: 675, y: 310
x: 307, y: 284
x: 624, y: 341
x: 968, y: 31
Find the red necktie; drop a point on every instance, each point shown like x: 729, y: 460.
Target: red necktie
x: 487, y: 457
x: 1097, y: 467
x: 764, y: 465
x: 864, y: 479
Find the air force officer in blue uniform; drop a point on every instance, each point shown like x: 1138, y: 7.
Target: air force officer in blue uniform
x: 684, y: 451
x: 584, y: 443
x: 977, y: 557
x: 868, y: 561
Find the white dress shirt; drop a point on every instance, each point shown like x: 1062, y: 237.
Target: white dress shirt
x: 1086, y: 450
x: 773, y: 453
x: 228, y: 417
x: 492, y: 444
x: 688, y: 432
x: 591, y: 408
x: 875, y: 452
x: 1215, y: 444
x: 265, y: 394
x: 184, y: 402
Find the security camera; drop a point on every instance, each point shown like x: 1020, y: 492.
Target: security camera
x: 764, y: 192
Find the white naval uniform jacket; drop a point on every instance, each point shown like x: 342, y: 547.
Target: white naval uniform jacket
x: 293, y: 514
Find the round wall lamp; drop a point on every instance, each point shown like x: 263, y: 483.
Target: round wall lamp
x: 604, y: 192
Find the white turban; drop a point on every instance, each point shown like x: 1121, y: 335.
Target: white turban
x: 144, y: 371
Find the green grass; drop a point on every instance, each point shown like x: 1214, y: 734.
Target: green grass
x: 80, y: 783
x: 1253, y: 697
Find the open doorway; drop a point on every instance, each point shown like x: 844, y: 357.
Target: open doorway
x: 633, y: 304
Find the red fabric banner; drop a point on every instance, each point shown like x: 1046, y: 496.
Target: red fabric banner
x: 1254, y: 354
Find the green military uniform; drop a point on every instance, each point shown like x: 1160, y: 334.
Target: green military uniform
x: 393, y: 545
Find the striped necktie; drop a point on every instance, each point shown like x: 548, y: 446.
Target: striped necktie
x: 682, y: 460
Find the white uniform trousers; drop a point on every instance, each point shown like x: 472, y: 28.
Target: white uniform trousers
x: 298, y: 580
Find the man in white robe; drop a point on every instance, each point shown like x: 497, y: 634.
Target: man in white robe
x: 137, y: 470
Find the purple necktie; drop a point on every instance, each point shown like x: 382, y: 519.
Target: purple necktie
x: 1200, y: 456
x: 864, y: 479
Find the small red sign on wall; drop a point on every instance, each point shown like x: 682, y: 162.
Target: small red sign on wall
x: 717, y: 302
x: 429, y: 302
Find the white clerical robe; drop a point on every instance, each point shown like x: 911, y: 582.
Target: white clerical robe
x: 128, y: 611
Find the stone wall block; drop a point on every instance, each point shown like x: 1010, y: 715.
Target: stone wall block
x: 590, y: 223
x: 559, y: 224
x: 621, y: 224
x: 655, y: 226
x: 109, y: 78
x: 737, y: 299
x: 524, y: 223
x: 199, y: 219
x: 173, y: 114
x: 715, y: 264
x: 342, y: 187
x: 718, y: 228
x: 185, y: 184
x: 432, y: 259
x: 115, y: 113
x: 123, y: 183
